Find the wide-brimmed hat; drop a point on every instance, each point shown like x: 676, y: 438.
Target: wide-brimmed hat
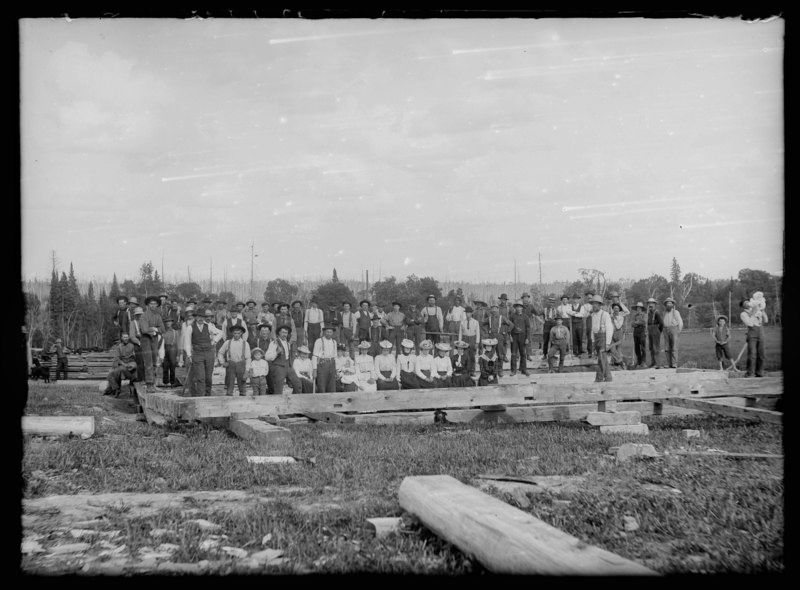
x: 249, y: 301
x: 133, y: 299
x: 651, y: 300
x: 597, y: 299
x: 461, y: 344
x: 468, y: 309
x: 282, y: 326
x: 397, y: 303
x: 525, y: 295
x: 304, y: 349
x: 255, y: 350
x: 638, y: 304
x: 121, y: 297
x: 385, y: 344
x: 406, y: 343
x: 375, y: 317
x: 238, y: 303
x: 576, y: 295
x: 617, y: 305
x: 519, y: 304
x: 137, y: 310
x: 442, y: 346
x: 363, y: 301
x: 150, y: 298
x: 297, y: 301
x: 341, y: 346
x: 564, y: 296
x: 209, y: 312
x: 263, y: 303
x: 669, y: 300
x: 239, y: 327
x: 478, y: 302
x: 222, y: 301
x: 722, y: 317
x: 264, y: 325
x: 364, y: 345
x: 489, y: 341
x: 426, y: 345
x: 168, y: 319
x: 504, y: 296
x: 588, y: 292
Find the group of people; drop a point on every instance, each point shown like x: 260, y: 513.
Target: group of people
x: 339, y: 349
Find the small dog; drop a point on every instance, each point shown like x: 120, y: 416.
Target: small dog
x: 38, y: 371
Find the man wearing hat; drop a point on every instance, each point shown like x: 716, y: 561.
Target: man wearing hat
x: 284, y: 318
x: 171, y: 309
x: 491, y: 366
x: 576, y: 324
x: 298, y: 318
x: 655, y: 325
x: 614, y: 297
x: 220, y: 314
x: 587, y: 309
x: 376, y: 330
x: 324, y: 360
x: 386, y: 368
x: 123, y: 352
x: 265, y: 316
x: 122, y: 317
x: 363, y: 321
x: 602, y: 334
x: 455, y: 315
x: 395, y: 321
x: 330, y: 316
x: 529, y: 309
x: 496, y: 328
x: 235, y: 356
x: 136, y: 339
x: 280, y: 356
x: 163, y: 305
x: 207, y: 303
x: 348, y: 328
x: 639, y: 323
x: 170, y: 354
x: 151, y: 326
x: 673, y: 324
x: 263, y: 337
x: 505, y: 311
x: 312, y: 321
x: 559, y: 344
x: 520, y: 326
x: 432, y: 320
x: 754, y: 316
x: 61, y: 352
x: 250, y: 318
x: 549, y: 314
x: 470, y: 331
x: 199, y: 348
x: 481, y: 312
x: 415, y: 331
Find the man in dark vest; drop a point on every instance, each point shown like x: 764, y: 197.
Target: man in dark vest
x: 330, y: 317
x: 199, y: 347
x: 520, y: 328
x: 348, y: 328
x: 549, y: 313
x: 279, y: 356
x: 151, y: 326
x: 363, y: 321
x: 655, y: 325
x: 123, y: 316
x: 298, y: 316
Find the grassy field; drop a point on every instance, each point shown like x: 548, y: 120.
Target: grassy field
x: 726, y: 517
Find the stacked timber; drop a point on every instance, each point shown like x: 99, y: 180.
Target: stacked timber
x: 92, y: 365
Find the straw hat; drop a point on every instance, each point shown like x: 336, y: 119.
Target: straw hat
x: 489, y: 341
x: 406, y: 343
x: 669, y: 300
x: 239, y: 327
x: 364, y: 345
x: 426, y: 345
x: 597, y: 299
x: 638, y: 304
x: 255, y: 350
x: 304, y: 349
x: 385, y: 344
x: 443, y: 346
x: 137, y: 311
x: 651, y: 300
x: 461, y: 344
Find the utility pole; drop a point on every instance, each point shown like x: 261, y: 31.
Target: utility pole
x: 730, y: 319
x: 366, y: 286
x: 225, y: 278
x: 189, y: 273
x: 515, y: 279
x: 252, y: 258
x: 163, y: 280
x: 540, y: 275
x: 211, y: 275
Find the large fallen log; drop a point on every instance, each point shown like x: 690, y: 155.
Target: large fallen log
x: 744, y: 413
x: 503, y: 538
x: 82, y: 426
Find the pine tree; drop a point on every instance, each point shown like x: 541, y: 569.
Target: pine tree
x: 675, y: 272
x: 115, y: 292
x: 54, y: 304
x: 335, y: 278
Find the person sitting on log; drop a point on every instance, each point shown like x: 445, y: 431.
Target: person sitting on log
x: 406, y: 365
x: 489, y: 363
x: 304, y: 370
x: 423, y: 367
x: 365, y: 368
x: 386, y: 368
x: 116, y: 375
x: 463, y: 364
x: 345, y: 369
x: 443, y: 367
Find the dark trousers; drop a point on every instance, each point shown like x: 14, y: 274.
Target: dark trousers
x: 654, y: 333
x: 518, y: 353
x: 588, y: 337
x: 169, y: 364
x: 603, y: 370
x: 326, y: 376
x: 150, y: 356
x: 396, y: 337
x: 202, y: 371
x: 640, y: 345
x: 755, y: 352
x: 671, y: 346
x: 557, y: 347
x: 61, y: 365
x: 235, y: 374
x: 576, y: 327
x: 280, y: 376
x: 548, y: 325
x: 312, y: 334
x: 306, y: 384
x: 342, y: 387
x: 346, y: 338
x: 139, y: 358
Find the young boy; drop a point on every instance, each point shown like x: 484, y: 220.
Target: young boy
x: 559, y: 344
x: 235, y: 357
x: 345, y: 369
x: 721, y: 337
x: 302, y: 366
x: 406, y: 365
x: 489, y: 363
x: 386, y: 368
x: 259, y: 369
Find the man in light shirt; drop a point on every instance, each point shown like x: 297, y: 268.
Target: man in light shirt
x: 348, y: 328
x: 754, y: 319
x: 454, y: 317
x: 279, y: 356
x: 324, y: 360
x: 673, y: 324
x: 151, y: 326
x: 602, y: 333
x: 395, y: 324
x: 199, y: 347
x: 587, y: 309
x: 577, y: 315
x: 432, y: 320
x: 470, y: 331
x: 235, y: 357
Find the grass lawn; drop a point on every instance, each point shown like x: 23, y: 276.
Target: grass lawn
x: 727, y: 517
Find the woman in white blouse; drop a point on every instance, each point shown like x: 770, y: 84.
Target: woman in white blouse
x: 365, y: 369
x: 442, y: 366
x: 386, y: 368
x: 423, y: 367
x: 406, y: 362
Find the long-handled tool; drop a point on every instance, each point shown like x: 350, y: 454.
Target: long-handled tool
x: 188, y: 374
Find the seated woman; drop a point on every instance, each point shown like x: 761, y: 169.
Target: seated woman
x: 345, y: 370
x: 365, y: 369
x: 386, y: 368
x: 489, y: 363
x: 423, y: 367
x: 302, y: 366
x: 442, y: 367
x: 406, y: 365
x: 462, y: 365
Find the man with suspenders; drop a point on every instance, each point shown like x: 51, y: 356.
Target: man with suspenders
x: 348, y: 328
x: 363, y: 321
x: 602, y: 333
x: 433, y: 320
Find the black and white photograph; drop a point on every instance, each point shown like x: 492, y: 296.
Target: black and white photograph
x: 441, y: 293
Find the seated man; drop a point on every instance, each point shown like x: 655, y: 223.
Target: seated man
x: 117, y: 374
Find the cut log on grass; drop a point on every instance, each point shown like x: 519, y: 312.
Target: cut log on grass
x: 728, y: 455
x: 625, y: 429
x: 261, y: 433
x: 270, y: 460
x: 331, y: 417
x: 609, y: 418
x: 503, y: 538
x: 384, y: 527
x: 82, y: 426
x: 725, y: 410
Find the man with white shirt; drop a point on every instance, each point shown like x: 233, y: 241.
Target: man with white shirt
x: 754, y: 319
x: 312, y: 321
x: 235, y: 357
x: 576, y: 322
x: 199, y: 347
x: 602, y: 333
x: 454, y: 317
x: 279, y: 357
x: 673, y: 324
x: 323, y: 360
x: 348, y: 328
x: 151, y: 326
x: 470, y: 331
x: 395, y: 324
x: 587, y: 313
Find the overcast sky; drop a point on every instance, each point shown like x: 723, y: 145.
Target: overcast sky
x: 435, y: 147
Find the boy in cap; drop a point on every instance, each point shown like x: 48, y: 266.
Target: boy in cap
x: 432, y: 320
x: 312, y: 321
x: 235, y: 356
x: 324, y: 360
x: 655, y: 325
x: 424, y: 366
x: 304, y: 370
x: 496, y: 328
x: 279, y: 355
x: 395, y: 324
x: 639, y: 323
x: 489, y: 363
x: 386, y: 368
x: 298, y: 318
x: 345, y: 370
x: 365, y: 368
x: 673, y: 324
x: 602, y: 333
x: 259, y: 369
x: 199, y: 348
x: 722, y: 336
x: 463, y: 365
x: 170, y: 354
x: 559, y: 344
x: 61, y: 353
x: 363, y: 321
x: 442, y: 366
x: 520, y: 328
x: 348, y: 328
x: 406, y: 365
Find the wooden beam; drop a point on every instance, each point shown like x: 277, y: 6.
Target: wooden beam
x: 260, y: 432
x: 609, y: 418
x: 726, y: 410
x: 82, y: 426
x: 728, y: 455
x: 331, y: 417
x: 503, y: 538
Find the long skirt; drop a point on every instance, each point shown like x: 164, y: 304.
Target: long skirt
x: 461, y: 380
x: 342, y: 387
x: 422, y: 384
x: 442, y: 380
x: 409, y: 380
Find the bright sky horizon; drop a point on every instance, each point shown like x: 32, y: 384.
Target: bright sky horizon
x: 445, y: 148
